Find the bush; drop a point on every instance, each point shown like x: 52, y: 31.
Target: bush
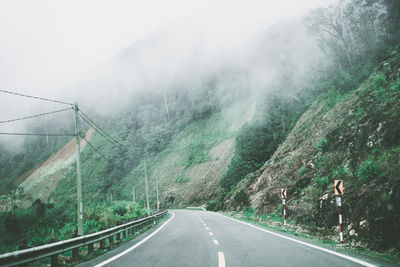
x: 322, y: 145
x: 378, y: 82
x: 120, y: 209
x: 322, y: 181
x: 242, y: 198
x: 213, y: 205
x: 368, y: 170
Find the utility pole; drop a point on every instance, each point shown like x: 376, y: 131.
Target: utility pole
x: 146, y: 186
x: 133, y: 194
x: 158, y: 202
x: 78, y: 173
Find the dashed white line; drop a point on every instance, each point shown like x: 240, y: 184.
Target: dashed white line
x: 208, y: 229
x: 210, y: 233
x: 221, y: 259
x: 135, y: 246
x: 216, y: 242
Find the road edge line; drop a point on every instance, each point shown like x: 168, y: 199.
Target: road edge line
x: 364, y: 263
x: 136, y: 245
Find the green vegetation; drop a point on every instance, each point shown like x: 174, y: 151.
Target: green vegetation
x: 43, y: 223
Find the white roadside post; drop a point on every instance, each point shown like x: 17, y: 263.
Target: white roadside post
x: 338, y: 194
x: 283, y: 196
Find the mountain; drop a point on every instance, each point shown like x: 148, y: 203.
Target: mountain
x: 355, y: 138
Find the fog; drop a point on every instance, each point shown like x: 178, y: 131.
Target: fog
x: 100, y: 52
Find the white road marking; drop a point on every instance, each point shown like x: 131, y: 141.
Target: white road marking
x: 303, y: 243
x: 216, y: 242
x: 208, y: 229
x: 221, y: 259
x: 211, y: 234
x: 136, y: 245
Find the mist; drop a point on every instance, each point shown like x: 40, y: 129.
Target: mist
x: 103, y: 55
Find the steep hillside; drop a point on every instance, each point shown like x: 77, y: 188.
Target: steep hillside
x: 187, y: 171
x: 354, y: 137
x: 41, y: 181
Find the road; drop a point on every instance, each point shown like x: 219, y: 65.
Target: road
x: 200, y: 238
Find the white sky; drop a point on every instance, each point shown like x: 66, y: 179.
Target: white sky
x: 47, y: 43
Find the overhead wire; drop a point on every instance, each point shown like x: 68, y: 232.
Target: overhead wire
x: 35, y: 97
x: 87, y: 117
x: 101, y: 131
x: 38, y: 134
x: 95, y: 149
x: 35, y: 116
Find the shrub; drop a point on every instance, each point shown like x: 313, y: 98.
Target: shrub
x: 120, y: 209
x: 339, y: 173
x: 379, y: 81
x: 322, y: 181
x: 181, y: 179
x: 322, y: 145
x: 368, y: 170
x: 242, y: 198
x: 303, y: 170
x: 213, y: 205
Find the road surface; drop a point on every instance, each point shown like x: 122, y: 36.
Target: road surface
x: 202, y: 238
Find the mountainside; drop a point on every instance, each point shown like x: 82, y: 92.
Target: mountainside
x: 354, y: 138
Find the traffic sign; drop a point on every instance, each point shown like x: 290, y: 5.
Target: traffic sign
x: 283, y: 193
x: 338, y: 187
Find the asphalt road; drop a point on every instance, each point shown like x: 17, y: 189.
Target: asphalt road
x: 200, y: 238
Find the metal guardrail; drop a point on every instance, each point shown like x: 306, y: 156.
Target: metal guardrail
x: 54, y: 249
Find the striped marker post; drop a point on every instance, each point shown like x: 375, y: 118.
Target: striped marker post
x: 284, y: 211
x: 339, y: 203
x: 283, y: 197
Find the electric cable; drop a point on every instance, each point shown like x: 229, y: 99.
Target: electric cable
x: 37, y: 134
x: 95, y: 149
x: 99, y: 128
x: 35, y: 116
x: 36, y: 97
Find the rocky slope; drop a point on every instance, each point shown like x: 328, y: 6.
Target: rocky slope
x: 354, y: 138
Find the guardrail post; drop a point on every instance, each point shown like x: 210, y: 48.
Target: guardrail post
x: 102, y: 244
x: 75, y: 253
x: 118, y: 237
x: 90, y: 248
x: 111, y: 240
x: 54, y: 260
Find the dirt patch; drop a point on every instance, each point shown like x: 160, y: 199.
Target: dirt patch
x: 40, y: 182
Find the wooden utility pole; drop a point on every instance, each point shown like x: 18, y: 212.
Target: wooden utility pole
x: 78, y: 172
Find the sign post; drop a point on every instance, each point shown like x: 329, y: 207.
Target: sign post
x: 338, y: 194
x: 283, y: 197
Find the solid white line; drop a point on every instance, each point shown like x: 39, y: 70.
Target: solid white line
x: 136, y: 245
x: 221, y: 259
x: 216, y: 242
x: 303, y: 243
x: 211, y: 234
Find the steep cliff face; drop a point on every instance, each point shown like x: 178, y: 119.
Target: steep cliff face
x: 354, y: 138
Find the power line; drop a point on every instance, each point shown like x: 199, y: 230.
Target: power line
x: 87, y: 117
x: 38, y: 134
x: 101, y: 133
x: 35, y: 97
x: 95, y: 149
x: 100, y: 130
x: 35, y: 116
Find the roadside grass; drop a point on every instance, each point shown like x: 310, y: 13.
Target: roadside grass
x: 275, y: 222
